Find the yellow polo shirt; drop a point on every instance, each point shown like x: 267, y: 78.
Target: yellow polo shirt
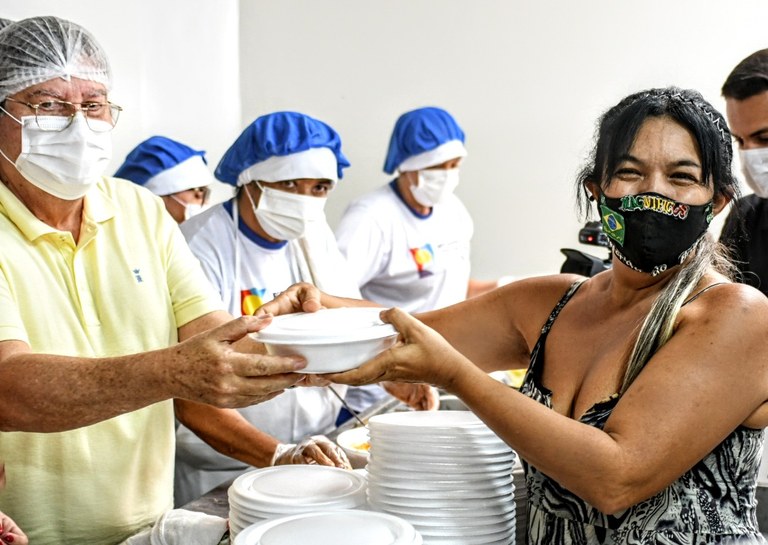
x: 126, y: 287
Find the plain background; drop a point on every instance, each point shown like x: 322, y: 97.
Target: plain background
x: 526, y: 80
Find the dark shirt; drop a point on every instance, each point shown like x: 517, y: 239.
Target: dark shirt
x: 748, y: 243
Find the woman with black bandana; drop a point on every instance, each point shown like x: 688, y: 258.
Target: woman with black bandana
x: 640, y: 419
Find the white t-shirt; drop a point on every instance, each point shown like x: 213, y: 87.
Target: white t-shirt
x: 403, y: 259
x: 265, y: 268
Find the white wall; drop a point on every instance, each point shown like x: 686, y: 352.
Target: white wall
x: 175, y: 65
x: 526, y: 80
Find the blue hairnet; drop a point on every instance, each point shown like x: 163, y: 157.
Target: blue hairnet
x: 419, y: 131
x: 159, y: 154
x: 39, y: 49
x: 278, y: 134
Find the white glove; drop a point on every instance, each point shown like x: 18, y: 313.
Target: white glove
x: 313, y: 450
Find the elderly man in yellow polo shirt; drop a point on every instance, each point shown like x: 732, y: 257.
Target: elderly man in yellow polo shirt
x: 105, y: 315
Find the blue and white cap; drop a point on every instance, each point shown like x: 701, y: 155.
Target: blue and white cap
x: 165, y: 166
x: 283, y: 146
x: 423, y: 138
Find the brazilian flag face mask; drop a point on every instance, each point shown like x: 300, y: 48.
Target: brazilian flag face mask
x: 649, y: 232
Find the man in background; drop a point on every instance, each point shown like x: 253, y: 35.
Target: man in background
x: 745, y: 231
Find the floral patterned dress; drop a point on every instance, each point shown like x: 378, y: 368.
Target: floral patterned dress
x: 714, y: 502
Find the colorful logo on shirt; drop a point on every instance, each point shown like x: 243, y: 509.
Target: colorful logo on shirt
x: 251, y: 300
x: 424, y: 258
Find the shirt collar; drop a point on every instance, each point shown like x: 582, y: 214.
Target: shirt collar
x: 97, y: 208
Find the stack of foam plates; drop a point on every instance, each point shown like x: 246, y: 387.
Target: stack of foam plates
x: 280, y: 491
x: 345, y: 527
x: 446, y: 473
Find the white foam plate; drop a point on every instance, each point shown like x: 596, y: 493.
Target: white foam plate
x: 449, y: 494
x: 447, y: 464
x: 241, y: 521
x: 493, y: 484
x: 490, y: 531
x: 426, y: 473
x: 292, y: 485
x: 446, y: 436
x: 505, y: 537
x: 383, y: 497
x: 349, y: 527
x: 329, y: 344
x: 437, y: 454
x: 504, y: 508
x: 327, y: 325
x: 427, y: 421
x: 262, y: 511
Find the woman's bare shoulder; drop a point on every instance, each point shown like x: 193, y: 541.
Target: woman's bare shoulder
x: 728, y: 307
x: 542, y: 287
x: 715, y: 293
x: 526, y: 303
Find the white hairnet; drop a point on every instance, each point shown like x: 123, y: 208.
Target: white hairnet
x: 39, y: 49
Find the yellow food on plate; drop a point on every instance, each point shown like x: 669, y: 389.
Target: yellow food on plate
x: 366, y: 446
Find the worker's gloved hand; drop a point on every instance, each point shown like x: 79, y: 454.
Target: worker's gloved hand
x: 313, y: 450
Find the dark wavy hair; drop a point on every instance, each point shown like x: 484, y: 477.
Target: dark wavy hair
x: 617, y: 129
x: 616, y: 132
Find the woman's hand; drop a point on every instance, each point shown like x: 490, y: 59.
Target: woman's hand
x: 9, y: 532
x: 420, y: 355
x: 417, y: 395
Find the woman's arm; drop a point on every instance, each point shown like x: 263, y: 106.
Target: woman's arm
x: 706, y: 381
x: 498, y: 329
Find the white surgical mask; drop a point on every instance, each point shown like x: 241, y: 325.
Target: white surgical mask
x: 754, y: 166
x: 66, y: 163
x: 191, y: 209
x: 435, y: 185
x: 287, y: 216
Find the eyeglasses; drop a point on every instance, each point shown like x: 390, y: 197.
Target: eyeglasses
x: 92, y: 111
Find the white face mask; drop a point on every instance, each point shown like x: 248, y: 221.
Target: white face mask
x: 287, y: 216
x: 754, y: 166
x: 435, y: 185
x: 66, y: 163
x: 191, y: 209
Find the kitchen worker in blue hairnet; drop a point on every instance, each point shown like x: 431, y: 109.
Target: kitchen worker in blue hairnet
x: 270, y: 235
x: 407, y: 243
x: 171, y: 170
